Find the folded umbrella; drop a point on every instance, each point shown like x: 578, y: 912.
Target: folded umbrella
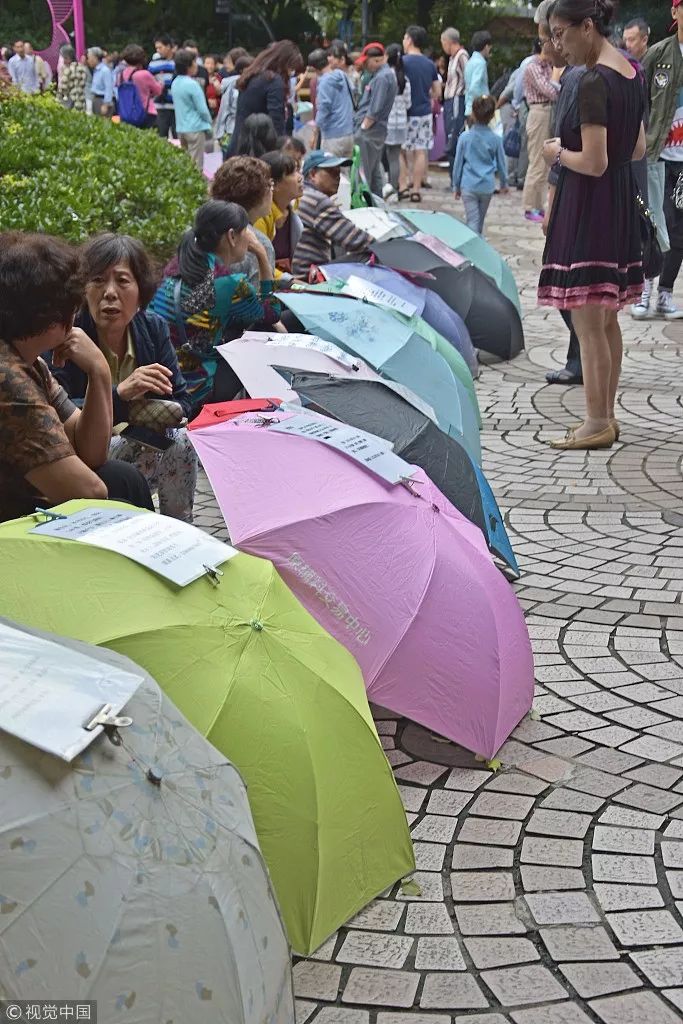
x: 469, y: 244
x: 132, y: 875
x: 394, y: 572
x: 370, y: 407
x: 492, y: 319
x: 393, y: 349
x: 215, y: 412
x: 257, y: 676
x: 430, y: 306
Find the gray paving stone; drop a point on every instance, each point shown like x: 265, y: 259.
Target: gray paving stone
x: 648, y: 798
x: 342, y: 1015
x: 672, y: 854
x: 466, y: 857
x: 627, y: 897
x: 422, y: 772
x: 661, y: 966
x: 646, y: 928
x: 376, y: 987
x: 559, y: 852
x: 382, y: 915
x: 623, y: 840
x: 413, y: 1018
x: 482, y: 886
x: 559, y: 1013
x: 436, y: 828
x: 502, y: 805
x: 316, y: 980
x: 599, y: 979
x: 498, y: 952
x: 487, y: 919
x: 430, y: 885
x: 551, y: 879
x: 492, y: 831
x: 303, y: 1010
x: 428, y: 919
x: 561, y: 908
x: 559, y: 823
x: 466, y: 779
x: 440, y: 953
x: 562, y: 799
x: 634, y: 1008
x: 452, y: 992
x: 530, y: 984
x: 376, y: 949
x: 624, y: 868
x: 616, y: 815
x: 570, y: 943
x: 515, y: 782
x: 429, y: 856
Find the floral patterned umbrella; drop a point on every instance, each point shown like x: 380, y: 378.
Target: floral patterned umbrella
x: 133, y: 876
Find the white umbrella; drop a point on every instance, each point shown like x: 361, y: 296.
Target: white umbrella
x: 133, y: 876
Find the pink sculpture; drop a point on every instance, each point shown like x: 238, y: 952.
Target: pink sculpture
x: 61, y: 10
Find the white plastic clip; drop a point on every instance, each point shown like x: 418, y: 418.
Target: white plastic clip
x: 214, y: 574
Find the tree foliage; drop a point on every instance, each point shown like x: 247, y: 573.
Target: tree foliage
x: 70, y: 175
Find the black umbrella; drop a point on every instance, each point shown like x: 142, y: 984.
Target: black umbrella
x: 375, y: 408
x: 491, y: 318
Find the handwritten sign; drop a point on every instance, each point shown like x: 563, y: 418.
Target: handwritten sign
x: 439, y: 248
x: 177, y: 551
x: 362, y: 289
x: 311, y: 341
x: 50, y: 692
x: 373, y: 453
x: 378, y: 223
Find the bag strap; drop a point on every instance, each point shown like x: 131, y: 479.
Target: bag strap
x: 149, y: 95
x: 354, y: 101
x: 180, y: 322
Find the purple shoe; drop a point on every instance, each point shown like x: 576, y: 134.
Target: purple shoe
x: 534, y: 215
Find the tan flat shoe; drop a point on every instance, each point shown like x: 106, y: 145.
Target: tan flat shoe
x: 614, y: 423
x: 603, y: 439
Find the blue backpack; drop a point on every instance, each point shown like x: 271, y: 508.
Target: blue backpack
x: 130, y: 105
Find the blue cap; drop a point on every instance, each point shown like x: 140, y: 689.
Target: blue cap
x: 319, y: 158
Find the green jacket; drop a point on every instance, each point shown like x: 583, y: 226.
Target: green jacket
x: 663, y: 67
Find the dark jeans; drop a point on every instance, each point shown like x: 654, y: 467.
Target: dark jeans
x: 125, y: 482
x: 454, y: 122
x: 166, y: 122
x: 574, y: 350
x: 674, y: 222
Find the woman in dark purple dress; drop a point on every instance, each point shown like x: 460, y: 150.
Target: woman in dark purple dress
x: 592, y: 259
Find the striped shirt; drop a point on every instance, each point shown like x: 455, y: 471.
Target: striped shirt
x: 324, y: 226
x: 538, y: 83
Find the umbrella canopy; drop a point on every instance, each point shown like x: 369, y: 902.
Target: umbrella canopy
x: 255, y: 674
x: 394, y: 572
x: 148, y: 894
x: 214, y: 412
x: 492, y: 319
x: 395, y: 350
x: 469, y: 244
x: 416, y: 439
x: 429, y: 306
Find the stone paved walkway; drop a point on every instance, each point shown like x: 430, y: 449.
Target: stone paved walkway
x: 552, y: 891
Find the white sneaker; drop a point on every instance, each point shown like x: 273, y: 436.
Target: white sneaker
x: 641, y: 309
x: 388, y: 190
x: 667, y: 308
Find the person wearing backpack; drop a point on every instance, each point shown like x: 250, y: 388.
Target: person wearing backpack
x: 137, y: 89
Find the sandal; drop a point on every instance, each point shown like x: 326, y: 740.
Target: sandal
x: 415, y: 197
x: 404, y: 193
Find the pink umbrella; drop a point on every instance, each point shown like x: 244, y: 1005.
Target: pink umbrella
x: 395, y: 573
x: 254, y: 356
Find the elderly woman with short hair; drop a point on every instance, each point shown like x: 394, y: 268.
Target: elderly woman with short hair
x: 149, y: 393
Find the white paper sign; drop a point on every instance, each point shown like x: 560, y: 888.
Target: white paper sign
x: 378, y: 223
x: 439, y: 248
x: 50, y: 692
x: 373, y: 453
x: 328, y: 348
x: 378, y: 296
x: 177, y: 551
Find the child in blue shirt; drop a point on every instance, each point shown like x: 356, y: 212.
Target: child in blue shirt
x: 478, y: 158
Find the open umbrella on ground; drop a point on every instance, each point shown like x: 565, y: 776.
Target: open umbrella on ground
x: 469, y: 244
x: 394, y: 572
x: 396, y: 351
x: 492, y: 319
x: 416, y: 439
x: 255, y: 361
x: 469, y: 405
x: 132, y: 875
x: 429, y: 306
x: 255, y: 674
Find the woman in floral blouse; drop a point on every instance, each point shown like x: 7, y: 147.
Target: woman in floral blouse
x: 71, y: 89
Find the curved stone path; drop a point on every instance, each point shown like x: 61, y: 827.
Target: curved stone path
x: 552, y: 891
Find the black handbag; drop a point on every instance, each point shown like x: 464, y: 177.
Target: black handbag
x: 652, y: 253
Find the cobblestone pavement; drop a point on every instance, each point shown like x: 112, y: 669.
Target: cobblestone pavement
x: 552, y: 891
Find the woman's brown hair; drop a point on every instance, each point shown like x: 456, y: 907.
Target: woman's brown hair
x: 277, y: 60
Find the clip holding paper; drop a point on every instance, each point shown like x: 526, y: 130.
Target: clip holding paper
x: 49, y: 515
x: 214, y: 574
x: 407, y: 482
x: 109, y: 722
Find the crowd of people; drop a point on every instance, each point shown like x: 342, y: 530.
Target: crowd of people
x: 104, y: 357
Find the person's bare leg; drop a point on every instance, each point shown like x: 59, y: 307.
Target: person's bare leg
x: 419, y: 168
x: 616, y: 349
x: 407, y: 176
x: 404, y: 176
x: 589, y: 324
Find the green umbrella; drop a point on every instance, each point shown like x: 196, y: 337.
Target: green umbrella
x: 469, y: 244
x: 256, y: 675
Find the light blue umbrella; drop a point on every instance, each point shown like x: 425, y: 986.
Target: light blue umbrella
x: 469, y: 244
x: 395, y: 350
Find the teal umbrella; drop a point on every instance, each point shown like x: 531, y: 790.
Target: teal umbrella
x: 396, y: 350
x: 469, y: 244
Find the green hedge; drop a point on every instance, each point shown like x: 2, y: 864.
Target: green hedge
x: 70, y: 175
